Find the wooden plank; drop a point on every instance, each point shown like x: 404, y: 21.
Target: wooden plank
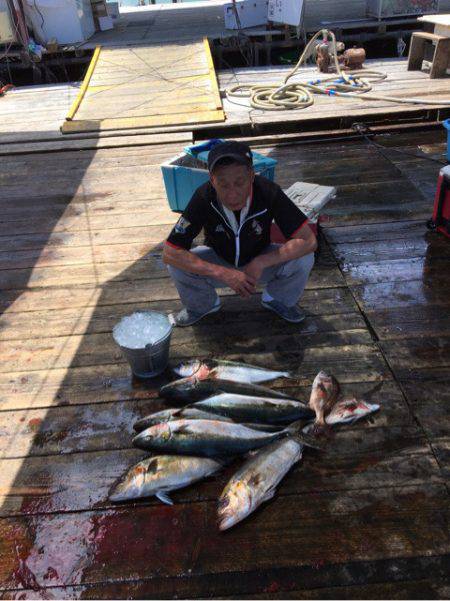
x: 441, y: 448
x: 323, y: 301
x: 107, y: 309
x: 93, y: 143
x: 390, y: 250
x: 75, y: 386
x: 43, y: 352
x: 373, y: 297
x: 409, y: 322
x: 376, y: 232
x: 111, y: 215
x: 25, y: 243
x: 396, y: 271
x: 149, y: 267
x: 412, y: 354
x: 429, y: 401
x: 428, y: 588
x: 207, y: 116
x: 196, y: 545
x: 399, y: 578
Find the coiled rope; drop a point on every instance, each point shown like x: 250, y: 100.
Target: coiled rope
x: 300, y: 95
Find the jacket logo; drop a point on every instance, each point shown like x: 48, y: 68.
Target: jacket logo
x: 257, y: 227
x: 220, y: 229
x: 181, y: 225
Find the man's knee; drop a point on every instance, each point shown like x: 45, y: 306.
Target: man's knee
x: 302, y: 265
x: 308, y: 262
x: 178, y: 274
x: 174, y: 272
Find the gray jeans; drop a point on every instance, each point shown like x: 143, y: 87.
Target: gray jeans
x: 284, y: 282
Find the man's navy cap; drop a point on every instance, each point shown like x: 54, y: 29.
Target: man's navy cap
x: 238, y: 151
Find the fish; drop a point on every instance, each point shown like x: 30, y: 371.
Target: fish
x: 188, y: 390
x: 228, y: 370
x: 159, y: 475
x: 350, y: 410
x: 210, y: 437
x: 324, y: 394
x: 255, y: 409
x: 169, y: 415
x: 190, y: 412
x: 256, y: 481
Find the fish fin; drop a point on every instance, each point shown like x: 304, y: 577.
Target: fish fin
x: 295, y: 427
x: 251, y: 453
x: 269, y: 494
x: 289, y: 375
x: 309, y: 440
x: 164, y: 498
x: 308, y: 428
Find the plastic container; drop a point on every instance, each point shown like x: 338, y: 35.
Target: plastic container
x: 446, y: 124
x: 151, y: 360
x: 184, y: 173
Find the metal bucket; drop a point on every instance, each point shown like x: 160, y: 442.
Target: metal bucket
x: 151, y: 360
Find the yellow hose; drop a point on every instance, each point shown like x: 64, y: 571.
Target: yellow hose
x: 344, y: 84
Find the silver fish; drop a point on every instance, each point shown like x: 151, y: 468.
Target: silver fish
x: 349, y: 411
x: 169, y: 415
x: 188, y: 390
x: 227, y: 370
x: 210, y: 437
x: 256, y: 409
x: 190, y: 412
x: 161, y: 474
x: 256, y: 481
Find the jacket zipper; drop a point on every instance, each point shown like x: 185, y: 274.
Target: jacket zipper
x: 238, y: 243
x: 237, y: 235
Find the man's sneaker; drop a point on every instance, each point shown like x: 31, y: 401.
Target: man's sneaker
x: 292, y: 314
x: 187, y: 318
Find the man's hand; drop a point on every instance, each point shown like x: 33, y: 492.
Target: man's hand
x: 238, y: 281
x: 254, y: 269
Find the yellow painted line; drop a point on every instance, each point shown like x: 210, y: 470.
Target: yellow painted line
x: 89, y: 125
x: 84, y: 85
x: 212, y: 74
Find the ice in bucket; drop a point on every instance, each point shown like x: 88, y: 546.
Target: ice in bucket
x: 144, y: 339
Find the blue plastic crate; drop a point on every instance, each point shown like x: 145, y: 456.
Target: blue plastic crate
x: 186, y: 172
x: 446, y: 124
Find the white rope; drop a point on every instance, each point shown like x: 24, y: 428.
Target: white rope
x: 300, y: 95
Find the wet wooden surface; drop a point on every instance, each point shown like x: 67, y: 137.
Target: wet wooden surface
x: 80, y: 235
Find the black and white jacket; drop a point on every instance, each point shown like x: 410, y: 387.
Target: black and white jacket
x: 237, y: 243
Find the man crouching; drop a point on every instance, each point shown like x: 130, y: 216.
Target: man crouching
x: 236, y: 209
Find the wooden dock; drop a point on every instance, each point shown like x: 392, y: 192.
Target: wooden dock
x: 156, y: 85
x: 329, y: 112
x: 83, y: 220
x: 81, y: 247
